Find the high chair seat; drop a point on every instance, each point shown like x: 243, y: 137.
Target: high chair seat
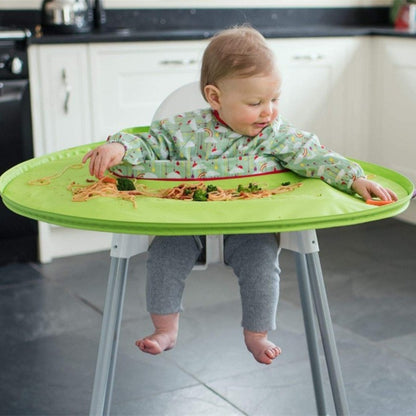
x: 311, y: 288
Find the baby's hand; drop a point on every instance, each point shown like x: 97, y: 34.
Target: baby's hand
x: 368, y: 189
x: 104, y: 157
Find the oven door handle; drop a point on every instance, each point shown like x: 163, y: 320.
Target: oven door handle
x: 12, y: 91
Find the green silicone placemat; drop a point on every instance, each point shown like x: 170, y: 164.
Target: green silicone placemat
x: 313, y: 205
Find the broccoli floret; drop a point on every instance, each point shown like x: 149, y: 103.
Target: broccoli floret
x: 285, y: 183
x: 124, y: 184
x: 211, y: 188
x: 200, y: 195
x: 252, y: 187
x: 242, y: 188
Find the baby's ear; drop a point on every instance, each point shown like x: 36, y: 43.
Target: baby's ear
x: 212, y: 95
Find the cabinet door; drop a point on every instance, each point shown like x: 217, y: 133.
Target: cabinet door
x: 393, y: 143
x: 394, y: 123
x: 129, y: 81
x: 314, y: 85
x: 60, y: 96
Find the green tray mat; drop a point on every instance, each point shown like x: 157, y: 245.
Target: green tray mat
x: 314, y: 205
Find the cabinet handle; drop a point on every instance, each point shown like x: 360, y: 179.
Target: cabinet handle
x: 167, y: 62
x: 68, y: 90
x: 309, y: 57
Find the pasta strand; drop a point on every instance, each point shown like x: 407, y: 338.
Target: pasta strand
x: 46, y: 180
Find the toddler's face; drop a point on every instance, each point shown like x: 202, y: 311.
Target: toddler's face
x: 248, y: 105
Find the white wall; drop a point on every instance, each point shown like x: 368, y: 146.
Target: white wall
x: 141, y: 4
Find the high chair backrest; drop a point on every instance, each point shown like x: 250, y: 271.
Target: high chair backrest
x: 185, y: 98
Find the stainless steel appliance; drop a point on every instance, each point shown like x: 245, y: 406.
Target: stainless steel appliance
x: 67, y: 16
x: 18, y: 235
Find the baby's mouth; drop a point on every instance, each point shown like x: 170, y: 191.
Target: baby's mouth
x: 262, y: 125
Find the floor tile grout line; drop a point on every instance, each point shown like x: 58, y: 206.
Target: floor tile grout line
x: 69, y: 291
x: 202, y: 383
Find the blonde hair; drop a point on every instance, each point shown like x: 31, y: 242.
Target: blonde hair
x: 238, y: 52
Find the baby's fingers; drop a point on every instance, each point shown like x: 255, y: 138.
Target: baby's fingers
x: 392, y: 194
x: 98, y: 165
x: 87, y: 156
x: 384, y: 194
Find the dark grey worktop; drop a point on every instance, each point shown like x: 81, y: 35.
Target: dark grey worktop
x: 135, y: 35
x: 129, y: 25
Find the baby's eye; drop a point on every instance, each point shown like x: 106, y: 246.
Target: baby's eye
x: 254, y: 104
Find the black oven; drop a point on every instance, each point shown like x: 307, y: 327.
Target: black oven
x: 18, y: 235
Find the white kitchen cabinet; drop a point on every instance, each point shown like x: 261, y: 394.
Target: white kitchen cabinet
x: 61, y: 113
x: 130, y: 80
x: 392, y: 140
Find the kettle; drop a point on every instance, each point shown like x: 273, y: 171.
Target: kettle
x: 66, y: 16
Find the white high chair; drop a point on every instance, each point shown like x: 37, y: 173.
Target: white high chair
x: 310, y: 280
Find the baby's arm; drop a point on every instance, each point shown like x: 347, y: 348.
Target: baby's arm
x: 303, y: 154
x: 104, y: 157
x: 368, y: 189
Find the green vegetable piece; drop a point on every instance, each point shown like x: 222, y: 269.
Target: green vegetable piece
x: 253, y: 187
x: 211, y: 188
x: 241, y: 188
x: 124, y: 184
x: 285, y: 183
x: 187, y: 191
x: 200, y: 195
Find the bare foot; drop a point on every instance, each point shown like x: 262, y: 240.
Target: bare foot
x: 263, y: 350
x: 164, y: 337
x: 156, y: 343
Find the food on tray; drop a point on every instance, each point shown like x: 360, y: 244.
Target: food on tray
x: 128, y: 189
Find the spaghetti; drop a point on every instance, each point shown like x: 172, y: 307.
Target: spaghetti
x: 110, y: 187
x: 101, y: 188
x: 187, y: 192
x: 106, y: 187
x: 46, y: 180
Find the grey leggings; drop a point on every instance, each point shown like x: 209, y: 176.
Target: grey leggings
x: 253, y: 257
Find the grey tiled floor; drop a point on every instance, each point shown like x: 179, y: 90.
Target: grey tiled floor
x: 50, y: 318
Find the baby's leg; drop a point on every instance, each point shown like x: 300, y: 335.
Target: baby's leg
x: 170, y: 260
x: 254, y: 258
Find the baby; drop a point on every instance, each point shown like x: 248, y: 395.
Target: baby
x: 240, y: 132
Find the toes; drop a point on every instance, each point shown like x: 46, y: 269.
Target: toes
x: 139, y: 343
x: 273, y: 352
x: 148, y: 345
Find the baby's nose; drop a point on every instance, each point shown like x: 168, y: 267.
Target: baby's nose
x: 267, y: 109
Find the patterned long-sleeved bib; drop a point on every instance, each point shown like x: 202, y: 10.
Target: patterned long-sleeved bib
x: 197, y: 145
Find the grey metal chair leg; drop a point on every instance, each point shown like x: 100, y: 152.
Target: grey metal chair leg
x: 311, y: 331
x: 312, y: 289
x: 110, y: 330
x: 327, y: 334
x: 123, y: 247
